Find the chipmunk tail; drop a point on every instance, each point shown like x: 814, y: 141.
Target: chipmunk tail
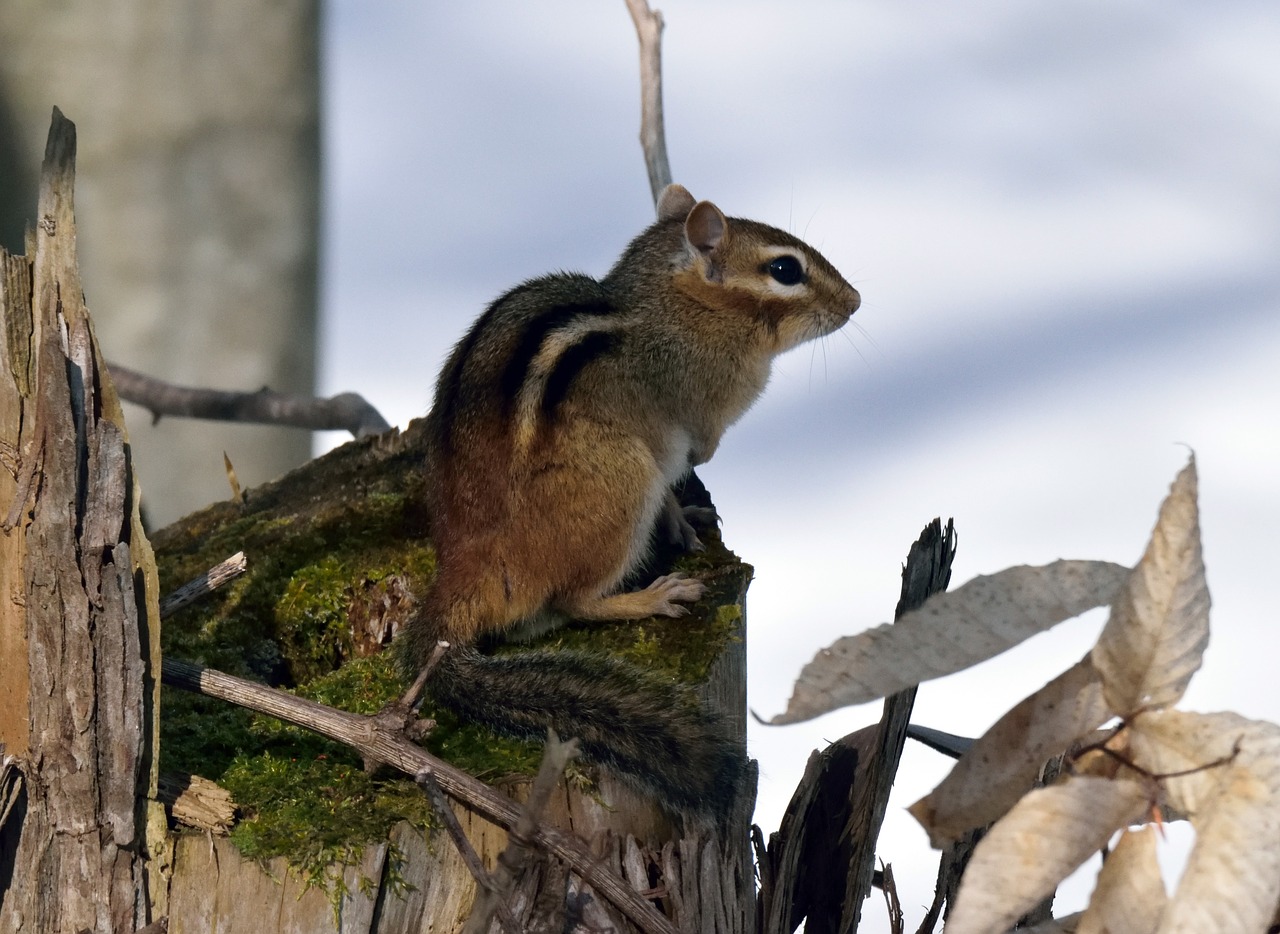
x: 651, y: 733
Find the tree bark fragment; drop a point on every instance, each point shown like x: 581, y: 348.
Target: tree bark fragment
x: 79, y: 597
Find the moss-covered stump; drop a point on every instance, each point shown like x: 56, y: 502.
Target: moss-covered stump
x: 338, y: 554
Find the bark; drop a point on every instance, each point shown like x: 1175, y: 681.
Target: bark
x: 79, y: 602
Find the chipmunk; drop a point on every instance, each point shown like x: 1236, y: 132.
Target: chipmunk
x: 561, y: 421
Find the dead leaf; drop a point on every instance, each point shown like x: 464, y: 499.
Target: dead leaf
x: 949, y: 633
x: 1043, y: 838
x: 1200, y: 746
x: 1229, y: 788
x: 1232, y: 878
x: 1129, y: 897
x: 1155, y: 638
x: 1004, y: 763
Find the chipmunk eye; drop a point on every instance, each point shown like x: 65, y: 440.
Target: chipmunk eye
x: 786, y: 269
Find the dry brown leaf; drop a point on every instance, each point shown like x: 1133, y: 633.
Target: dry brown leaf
x: 1232, y: 878
x: 1129, y: 897
x: 1159, y: 626
x: 949, y: 633
x: 1042, y: 839
x: 1005, y: 762
x: 1203, y: 746
x: 1230, y: 790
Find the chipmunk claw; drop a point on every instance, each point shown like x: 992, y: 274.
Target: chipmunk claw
x: 670, y: 588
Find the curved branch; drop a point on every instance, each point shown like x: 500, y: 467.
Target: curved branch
x: 652, y: 136
x: 367, y: 736
x: 344, y: 412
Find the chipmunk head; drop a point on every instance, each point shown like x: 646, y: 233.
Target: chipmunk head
x: 757, y: 271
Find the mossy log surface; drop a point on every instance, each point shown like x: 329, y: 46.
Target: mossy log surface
x: 338, y: 554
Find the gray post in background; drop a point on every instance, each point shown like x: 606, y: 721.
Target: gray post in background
x: 197, y: 205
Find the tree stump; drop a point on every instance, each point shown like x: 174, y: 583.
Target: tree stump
x: 79, y: 638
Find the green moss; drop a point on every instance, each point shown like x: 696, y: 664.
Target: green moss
x: 335, y: 546
x: 311, y: 618
x: 318, y: 813
x: 683, y: 648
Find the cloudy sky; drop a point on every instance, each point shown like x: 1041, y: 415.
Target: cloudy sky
x: 1064, y: 221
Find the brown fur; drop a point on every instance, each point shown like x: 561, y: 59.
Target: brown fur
x: 562, y: 419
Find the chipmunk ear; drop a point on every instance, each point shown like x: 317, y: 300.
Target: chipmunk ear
x: 705, y: 227
x: 674, y: 203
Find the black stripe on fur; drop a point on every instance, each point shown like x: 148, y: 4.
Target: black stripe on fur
x: 592, y: 346
x: 650, y: 732
x: 516, y: 371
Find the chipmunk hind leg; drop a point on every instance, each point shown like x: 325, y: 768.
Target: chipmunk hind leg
x: 661, y: 598
x: 602, y: 531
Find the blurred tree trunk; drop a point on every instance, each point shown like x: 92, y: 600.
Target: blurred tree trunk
x: 199, y: 198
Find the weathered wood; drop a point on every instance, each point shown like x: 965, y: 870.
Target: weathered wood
x: 17, y: 372
x: 927, y: 571
x: 819, y: 865
x: 76, y: 568
x: 197, y: 802
x: 214, y: 889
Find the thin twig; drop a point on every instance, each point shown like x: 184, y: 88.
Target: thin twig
x: 951, y: 866
x: 363, y: 734
x: 410, y: 697
x: 237, y: 494
x: 484, y: 882
x: 556, y: 756
x: 653, y: 137
x: 347, y: 411
x: 217, y: 576
x: 892, y: 903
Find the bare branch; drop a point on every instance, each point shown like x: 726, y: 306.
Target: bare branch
x: 951, y: 866
x: 652, y: 136
x: 486, y: 904
x: 206, y: 583
x: 410, y: 697
x: 344, y: 412
x: 556, y: 756
x: 364, y: 735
